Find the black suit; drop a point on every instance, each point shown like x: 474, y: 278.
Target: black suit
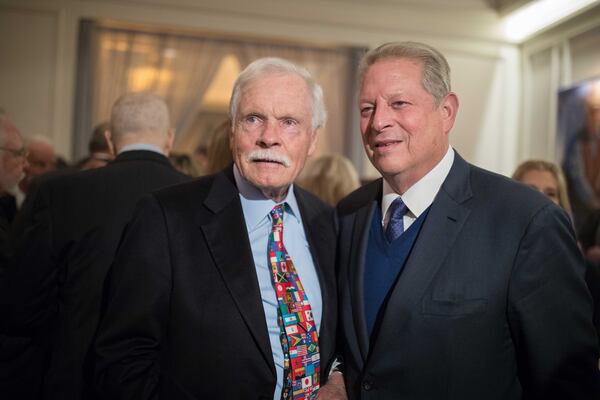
x: 185, y: 318
x: 71, y: 227
x: 491, y: 303
x: 21, y: 356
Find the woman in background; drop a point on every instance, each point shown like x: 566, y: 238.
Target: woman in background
x: 330, y: 177
x: 545, y: 177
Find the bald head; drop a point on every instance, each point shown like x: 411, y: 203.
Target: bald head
x: 12, y: 156
x: 140, y: 118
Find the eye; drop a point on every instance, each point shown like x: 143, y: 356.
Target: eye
x: 290, y: 122
x: 251, y: 119
x: 366, y: 110
x: 399, y: 104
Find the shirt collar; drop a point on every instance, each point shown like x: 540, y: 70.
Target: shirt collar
x: 420, y: 195
x: 141, y: 146
x: 256, y: 205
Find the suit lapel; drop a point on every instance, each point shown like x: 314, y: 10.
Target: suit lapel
x: 444, y: 222
x: 320, y: 246
x: 352, y: 290
x: 227, y: 238
x: 360, y: 238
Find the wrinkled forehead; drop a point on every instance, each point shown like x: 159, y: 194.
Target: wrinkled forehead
x: 285, y: 92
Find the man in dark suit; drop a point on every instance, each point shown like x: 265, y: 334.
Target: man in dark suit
x: 13, y: 161
x: 208, y: 298
x: 455, y: 282
x: 70, y: 231
x: 20, y: 356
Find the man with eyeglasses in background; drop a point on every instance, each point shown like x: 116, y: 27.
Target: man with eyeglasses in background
x: 20, y: 358
x: 13, y: 161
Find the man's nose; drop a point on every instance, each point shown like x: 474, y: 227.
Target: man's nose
x: 381, y: 118
x: 269, y: 136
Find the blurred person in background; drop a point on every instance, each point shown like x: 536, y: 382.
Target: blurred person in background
x: 72, y: 224
x: 13, y: 162
x: 218, y: 151
x: 41, y: 159
x: 330, y: 177
x: 20, y: 357
x: 546, y: 177
x: 184, y: 164
x: 582, y: 159
x: 99, y: 149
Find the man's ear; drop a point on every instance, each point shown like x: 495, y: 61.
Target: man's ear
x: 169, y: 141
x: 449, y: 110
x: 111, y: 146
x: 313, y: 141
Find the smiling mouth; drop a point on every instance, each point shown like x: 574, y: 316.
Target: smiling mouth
x: 382, y: 145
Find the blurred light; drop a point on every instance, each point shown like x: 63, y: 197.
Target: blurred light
x: 540, y: 14
x: 218, y: 93
x: 146, y: 78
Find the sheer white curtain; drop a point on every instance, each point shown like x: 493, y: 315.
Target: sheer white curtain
x: 181, y: 68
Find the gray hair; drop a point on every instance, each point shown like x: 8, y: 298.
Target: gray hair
x: 436, y: 71
x: 139, y: 113
x: 273, y: 65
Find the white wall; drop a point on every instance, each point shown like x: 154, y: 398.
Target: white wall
x: 38, y: 54
x: 559, y: 58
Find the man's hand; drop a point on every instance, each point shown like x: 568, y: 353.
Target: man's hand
x: 334, y: 389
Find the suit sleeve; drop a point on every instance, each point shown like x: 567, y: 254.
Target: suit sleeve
x: 128, y: 342
x: 550, y: 313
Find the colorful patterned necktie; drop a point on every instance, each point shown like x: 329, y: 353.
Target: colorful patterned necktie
x: 299, y: 338
x: 395, y: 226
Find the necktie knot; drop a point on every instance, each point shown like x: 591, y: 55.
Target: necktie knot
x: 395, y: 226
x: 277, y: 215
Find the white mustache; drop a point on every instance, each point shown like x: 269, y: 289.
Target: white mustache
x: 268, y: 155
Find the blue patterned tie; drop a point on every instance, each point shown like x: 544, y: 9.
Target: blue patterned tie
x: 395, y: 226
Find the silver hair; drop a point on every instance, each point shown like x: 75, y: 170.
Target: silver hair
x: 139, y: 113
x: 436, y: 71
x: 273, y: 65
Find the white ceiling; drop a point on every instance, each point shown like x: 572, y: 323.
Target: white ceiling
x: 500, y: 6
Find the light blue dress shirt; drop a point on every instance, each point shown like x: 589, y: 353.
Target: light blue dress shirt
x: 142, y: 146
x: 256, y: 208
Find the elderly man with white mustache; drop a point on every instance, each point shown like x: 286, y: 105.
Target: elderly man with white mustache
x: 224, y: 287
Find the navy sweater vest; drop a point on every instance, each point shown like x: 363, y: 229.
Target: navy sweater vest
x: 383, y: 263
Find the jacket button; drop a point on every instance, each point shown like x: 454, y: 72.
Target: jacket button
x: 367, y: 385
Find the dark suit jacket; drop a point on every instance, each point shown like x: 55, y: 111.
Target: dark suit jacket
x: 71, y: 227
x: 20, y: 356
x: 185, y: 318
x: 491, y: 303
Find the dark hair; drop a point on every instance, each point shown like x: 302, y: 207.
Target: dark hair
x: 98, y: 142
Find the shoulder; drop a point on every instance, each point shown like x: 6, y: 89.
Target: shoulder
x: 360, y: 197
x: 499, y: 191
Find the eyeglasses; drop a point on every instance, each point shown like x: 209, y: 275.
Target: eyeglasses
x: 22, y: 152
